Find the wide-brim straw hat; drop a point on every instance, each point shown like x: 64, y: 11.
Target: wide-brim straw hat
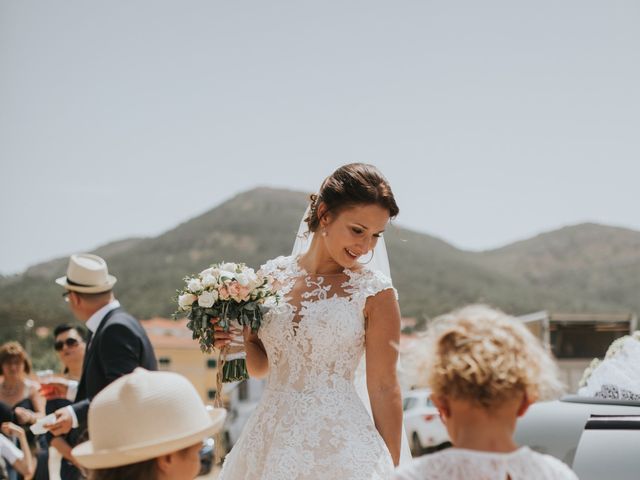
x: 145, y: 415
x: 87, y: 273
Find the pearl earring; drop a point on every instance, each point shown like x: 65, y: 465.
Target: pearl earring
x: 324, y: 232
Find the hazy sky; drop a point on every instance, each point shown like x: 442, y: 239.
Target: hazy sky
x: 493, y: 121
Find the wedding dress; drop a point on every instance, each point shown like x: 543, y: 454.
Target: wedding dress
x: 462, y: 464
x: 310, y: 423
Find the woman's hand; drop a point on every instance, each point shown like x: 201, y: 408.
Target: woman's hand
x: 257, y: 363
x: 24, y: 416
x: 9, y: 429
x: 225, y: 338
x: 57, y: 387
x: 26, y: 466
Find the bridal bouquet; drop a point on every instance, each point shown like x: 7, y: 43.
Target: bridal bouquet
x: 235, y: 295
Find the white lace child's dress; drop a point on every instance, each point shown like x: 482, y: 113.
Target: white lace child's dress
x: 462, y: 464
x: 310, y: 423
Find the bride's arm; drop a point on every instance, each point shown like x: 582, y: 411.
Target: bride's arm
x: 382, y: 336
x: 257, y: 362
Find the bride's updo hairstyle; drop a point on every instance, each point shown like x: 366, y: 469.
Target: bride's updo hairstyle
x: 351, y: 185
x: 484, y: 356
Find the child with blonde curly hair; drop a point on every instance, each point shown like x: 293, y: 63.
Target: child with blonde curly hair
x: 484, y: 369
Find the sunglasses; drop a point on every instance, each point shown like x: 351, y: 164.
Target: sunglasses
x: 69, y: 342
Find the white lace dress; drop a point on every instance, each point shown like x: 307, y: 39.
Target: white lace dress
x: 310, y: 423
x: 462, y: 464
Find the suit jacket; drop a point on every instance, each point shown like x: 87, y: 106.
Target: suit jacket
x: 118, y: 346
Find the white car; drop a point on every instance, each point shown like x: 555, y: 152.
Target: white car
x: 422, y: 421
x: 597, y: 438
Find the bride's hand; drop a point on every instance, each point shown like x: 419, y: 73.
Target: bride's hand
x: 222, y: 338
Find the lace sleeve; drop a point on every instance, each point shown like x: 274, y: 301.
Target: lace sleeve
x: 366, y: 283
x: 377, y: 283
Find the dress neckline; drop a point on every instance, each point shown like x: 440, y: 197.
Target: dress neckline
x: 482, y: 453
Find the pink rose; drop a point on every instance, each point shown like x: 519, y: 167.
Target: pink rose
x: 244, y: 293
x: 234, y: 291
x: 223, y: 291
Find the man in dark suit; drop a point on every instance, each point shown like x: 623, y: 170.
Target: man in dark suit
x: 116, y: 344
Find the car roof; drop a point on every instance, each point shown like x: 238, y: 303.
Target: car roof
x: 417, y: 393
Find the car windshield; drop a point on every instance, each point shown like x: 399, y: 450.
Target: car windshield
x: 409, y: 403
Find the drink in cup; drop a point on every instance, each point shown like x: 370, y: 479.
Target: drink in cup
x: 44, y: 378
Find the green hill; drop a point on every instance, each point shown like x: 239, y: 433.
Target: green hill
x: 588, y: 265
x: 584, y: 267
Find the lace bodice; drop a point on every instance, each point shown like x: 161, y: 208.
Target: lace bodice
x: 461, y: 464
x: 310, y: 422
x: 315, y: 338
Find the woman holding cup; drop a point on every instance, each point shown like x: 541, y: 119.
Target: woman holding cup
x: 16, y: 389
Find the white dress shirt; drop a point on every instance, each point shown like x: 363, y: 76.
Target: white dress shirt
x: 92, y: 324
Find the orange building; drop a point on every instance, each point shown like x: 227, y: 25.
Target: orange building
x: 176, y: 351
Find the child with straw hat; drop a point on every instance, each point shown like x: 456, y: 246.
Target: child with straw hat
x: 147, y: 425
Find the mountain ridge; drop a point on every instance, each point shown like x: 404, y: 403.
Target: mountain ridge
x: 579, y: 267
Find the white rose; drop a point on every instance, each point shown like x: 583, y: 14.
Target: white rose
x: 227, y: 274
x: 194, y: 285
x: 185, y: 300
x: 205, y: 272
x: 242, y: 279
x: 229, y: 267
x: 254, y: 281
x: 209, y: 280
x: 207, y: 299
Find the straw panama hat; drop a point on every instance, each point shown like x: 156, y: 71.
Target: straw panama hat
x: 87, y: 273
x: 145, y: 415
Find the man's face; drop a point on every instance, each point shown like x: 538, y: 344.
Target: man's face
x: 69, y: 346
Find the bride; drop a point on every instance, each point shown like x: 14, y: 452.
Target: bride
x: 311, y: 422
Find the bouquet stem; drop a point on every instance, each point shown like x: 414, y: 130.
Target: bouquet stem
x: 234, y: 370
x: 232, y: 367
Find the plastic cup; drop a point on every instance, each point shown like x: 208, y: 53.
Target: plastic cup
x: 44, y: 377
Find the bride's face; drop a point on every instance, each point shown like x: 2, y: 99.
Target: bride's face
x: 353, y: 233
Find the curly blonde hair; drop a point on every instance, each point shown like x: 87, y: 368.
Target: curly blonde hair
x: 484, y: 356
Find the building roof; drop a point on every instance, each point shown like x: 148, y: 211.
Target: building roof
x: 166, y: 333
x: 578, y: 317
